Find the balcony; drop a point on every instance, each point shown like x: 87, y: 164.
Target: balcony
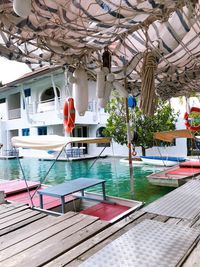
x: 47, y: 105
x: 46, y: 111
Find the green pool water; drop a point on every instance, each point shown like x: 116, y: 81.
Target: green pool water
x: 112, y: 170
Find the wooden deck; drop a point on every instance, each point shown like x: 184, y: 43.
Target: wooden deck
x: 79, y: 158
x: 16, y: 186
x: 175, y: 176
x: 16, y: 191
x: 30, y: 238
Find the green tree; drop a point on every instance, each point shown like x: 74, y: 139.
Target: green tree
x: 163, y: 120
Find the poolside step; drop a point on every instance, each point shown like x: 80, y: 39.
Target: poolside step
x: 49, y: 202
x: 105, y: 211
x: 16, y: 186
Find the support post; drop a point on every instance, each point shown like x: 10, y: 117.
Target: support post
x: 62, y: 198
x: 129, y: 141
x: 41, y: 201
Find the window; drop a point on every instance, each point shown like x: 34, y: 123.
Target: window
x: 27, y: 94
x: 25, y: 132
x: 2, y: 109
x: 48, y: 94
x: 99, y: 133
x: 2, y: 100
x: 80, y: 131
x: 42, y: 131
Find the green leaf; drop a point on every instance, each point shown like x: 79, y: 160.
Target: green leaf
x: 164, y: 119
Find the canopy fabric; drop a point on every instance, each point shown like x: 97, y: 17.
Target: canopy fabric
x: 171, y: 135
x: 48, y: 142
x: 73, y: 32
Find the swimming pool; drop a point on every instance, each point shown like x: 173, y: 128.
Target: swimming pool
x: 115, y: 173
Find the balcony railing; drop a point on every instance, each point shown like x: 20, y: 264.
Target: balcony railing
x: 45, y: 106
x: 49, y: 105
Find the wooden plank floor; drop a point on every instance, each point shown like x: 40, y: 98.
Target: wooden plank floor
x: 16, y: 186
x: 49, y: 202
x: 30, y: 238
x: 86, y: 249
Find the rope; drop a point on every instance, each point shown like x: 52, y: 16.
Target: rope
x: 164, y: 92
x: 66, y: 84
x: 98, y: 157
x: 148, y: 95
x: 115, y: 168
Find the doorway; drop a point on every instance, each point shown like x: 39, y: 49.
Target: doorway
x: 81, y: 131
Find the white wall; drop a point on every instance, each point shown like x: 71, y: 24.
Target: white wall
x: 94, y: 119
x: 117, y: 150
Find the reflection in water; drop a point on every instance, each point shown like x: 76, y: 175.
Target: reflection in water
x: 115, y: 173
x: 9, y: 170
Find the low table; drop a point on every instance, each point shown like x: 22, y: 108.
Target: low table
x: 62, y: 190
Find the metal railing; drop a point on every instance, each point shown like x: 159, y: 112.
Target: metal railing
x: 75, y: 152
x: 10, y: 153
x: 49, y: 105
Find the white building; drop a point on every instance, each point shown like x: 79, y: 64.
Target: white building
x: 33, y: 105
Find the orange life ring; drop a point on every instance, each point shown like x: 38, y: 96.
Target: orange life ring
x: 186, y: 117
x: 65, y: 113
x: 69, y: 115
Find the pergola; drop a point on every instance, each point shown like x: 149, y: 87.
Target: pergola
x: 76, y: 32
x: 153, y: 44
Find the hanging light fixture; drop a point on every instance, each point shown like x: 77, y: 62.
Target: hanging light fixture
x: 22, y: 7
